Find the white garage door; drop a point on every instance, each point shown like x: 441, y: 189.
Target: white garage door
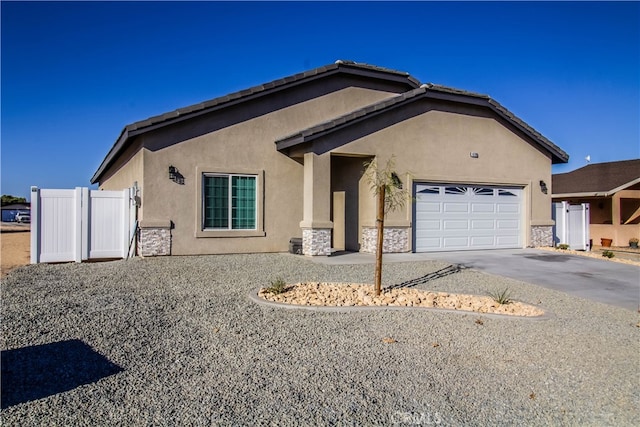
x: 464, y: 217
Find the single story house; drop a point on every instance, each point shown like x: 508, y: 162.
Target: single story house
x: 612, y: 190
x: 249, y: 171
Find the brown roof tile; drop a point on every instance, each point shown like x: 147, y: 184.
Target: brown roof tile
x: 597, y: 177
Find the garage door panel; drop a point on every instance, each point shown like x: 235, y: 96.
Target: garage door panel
x: 459, y: 217
x: 482, y: 241
x: 488, y: 208
x: 455, y: 242
x: 429, y: 225
x: 483, y: 224
x: 502, y: 224
x: 426, y: 206
x: 456, y: 207
x: 507, y: 241
x: 455, y: 224
x: 510, y: 208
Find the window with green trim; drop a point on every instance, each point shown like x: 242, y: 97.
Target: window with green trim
x: 229, y: 202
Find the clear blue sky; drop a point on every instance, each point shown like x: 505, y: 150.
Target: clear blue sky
x: 74, y: 74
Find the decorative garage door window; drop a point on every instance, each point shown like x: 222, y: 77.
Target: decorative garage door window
x: 467, y: 217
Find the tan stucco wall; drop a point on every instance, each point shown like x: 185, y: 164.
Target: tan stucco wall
x: 435, y: 146
x: 246, y: 147
x: 128, y: 173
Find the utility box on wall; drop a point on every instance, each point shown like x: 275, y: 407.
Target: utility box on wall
x: 572, y: 225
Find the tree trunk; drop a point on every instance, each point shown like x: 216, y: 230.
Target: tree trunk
x: 380, y: 241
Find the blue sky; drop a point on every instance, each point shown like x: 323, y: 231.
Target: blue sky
x: 75, y: 73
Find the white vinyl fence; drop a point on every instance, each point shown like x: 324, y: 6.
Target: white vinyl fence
x: 572, y: 225
x: 82, y: 224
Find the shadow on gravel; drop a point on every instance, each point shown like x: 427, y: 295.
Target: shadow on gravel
x: 35, y: 372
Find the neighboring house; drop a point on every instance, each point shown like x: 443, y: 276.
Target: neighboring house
x: 9, y: 212
x: 249, y: 171
x: 613, y: 192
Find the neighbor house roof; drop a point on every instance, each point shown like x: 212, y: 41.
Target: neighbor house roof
x: 340, y: 66
x: 426, y: 91
x: 17, y: 206
x: 597, y: 179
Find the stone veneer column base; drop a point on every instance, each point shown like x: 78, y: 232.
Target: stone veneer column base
x: 316, y: 241
x: 154, y: 239
x: 541, y: 235
x: 396, y: 240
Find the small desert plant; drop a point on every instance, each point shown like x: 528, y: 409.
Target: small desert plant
x: 501, y: 297
x: 278, y: 286
x: 563, y: 246
x: 608, y: 254
x: 633, y: 240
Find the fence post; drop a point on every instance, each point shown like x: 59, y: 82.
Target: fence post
x: 586, y: 223
x: 85, y: 200
x: 77, y: 226
x: 35, y: 225
x: 126, y: 203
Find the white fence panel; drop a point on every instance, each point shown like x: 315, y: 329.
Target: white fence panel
x: 572, y: 225
x: 81, y: 224
x: 108, y: 224
x: 57, y: 213
x: 578, y: 227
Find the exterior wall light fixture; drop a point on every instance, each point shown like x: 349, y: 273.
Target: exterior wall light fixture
x: 175, y: 175
x: 474, y: 155
x: 543, y: 187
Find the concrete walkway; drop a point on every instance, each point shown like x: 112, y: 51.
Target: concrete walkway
x: 598, y: 280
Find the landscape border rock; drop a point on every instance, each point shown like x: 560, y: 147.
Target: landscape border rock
x: 262, y: 296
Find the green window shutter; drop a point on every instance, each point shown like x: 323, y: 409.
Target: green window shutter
x: 243, y: 202
x: 216, y: 202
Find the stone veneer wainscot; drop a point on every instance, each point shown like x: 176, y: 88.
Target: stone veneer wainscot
x: 316, y: 241
x: 396, y: 240
x: 154, y: 238
x: 541, y: 235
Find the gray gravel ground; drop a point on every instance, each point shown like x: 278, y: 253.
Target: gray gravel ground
x: 176, y: 341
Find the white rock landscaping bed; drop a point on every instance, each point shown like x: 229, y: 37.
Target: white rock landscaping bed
x: 359, y: 295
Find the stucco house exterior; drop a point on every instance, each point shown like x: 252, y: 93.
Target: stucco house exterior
x: 612, y: 190
x: 249, y: 171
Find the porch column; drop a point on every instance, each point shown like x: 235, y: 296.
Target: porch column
x: 615, y: 219
x: 615, y: 209
x: 316, y: 224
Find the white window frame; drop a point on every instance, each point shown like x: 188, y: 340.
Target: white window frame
x: 258, y: 231
x: 230, y: 177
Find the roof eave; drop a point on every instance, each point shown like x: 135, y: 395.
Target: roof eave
x: 433, y: 92
x: 580, y: 195
x: 600, y: 193
x: 245, y: 95
x: 120, y: 142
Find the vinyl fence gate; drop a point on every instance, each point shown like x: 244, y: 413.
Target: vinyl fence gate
x: 81, y: 224
x: 572, y: 225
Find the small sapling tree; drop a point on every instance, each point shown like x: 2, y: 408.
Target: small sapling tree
x: 390, y: 196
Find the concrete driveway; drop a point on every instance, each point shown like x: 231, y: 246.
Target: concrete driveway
x: 598, y: 280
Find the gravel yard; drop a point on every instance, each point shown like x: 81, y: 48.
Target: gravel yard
x: 177, y: 341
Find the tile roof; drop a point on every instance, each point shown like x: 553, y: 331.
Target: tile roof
x: 597, y: 178
x: 427, y: 90
x: 245, y: 93
x: 142, y: 126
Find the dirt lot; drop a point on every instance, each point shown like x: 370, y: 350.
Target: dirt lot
x: 16, y: 242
